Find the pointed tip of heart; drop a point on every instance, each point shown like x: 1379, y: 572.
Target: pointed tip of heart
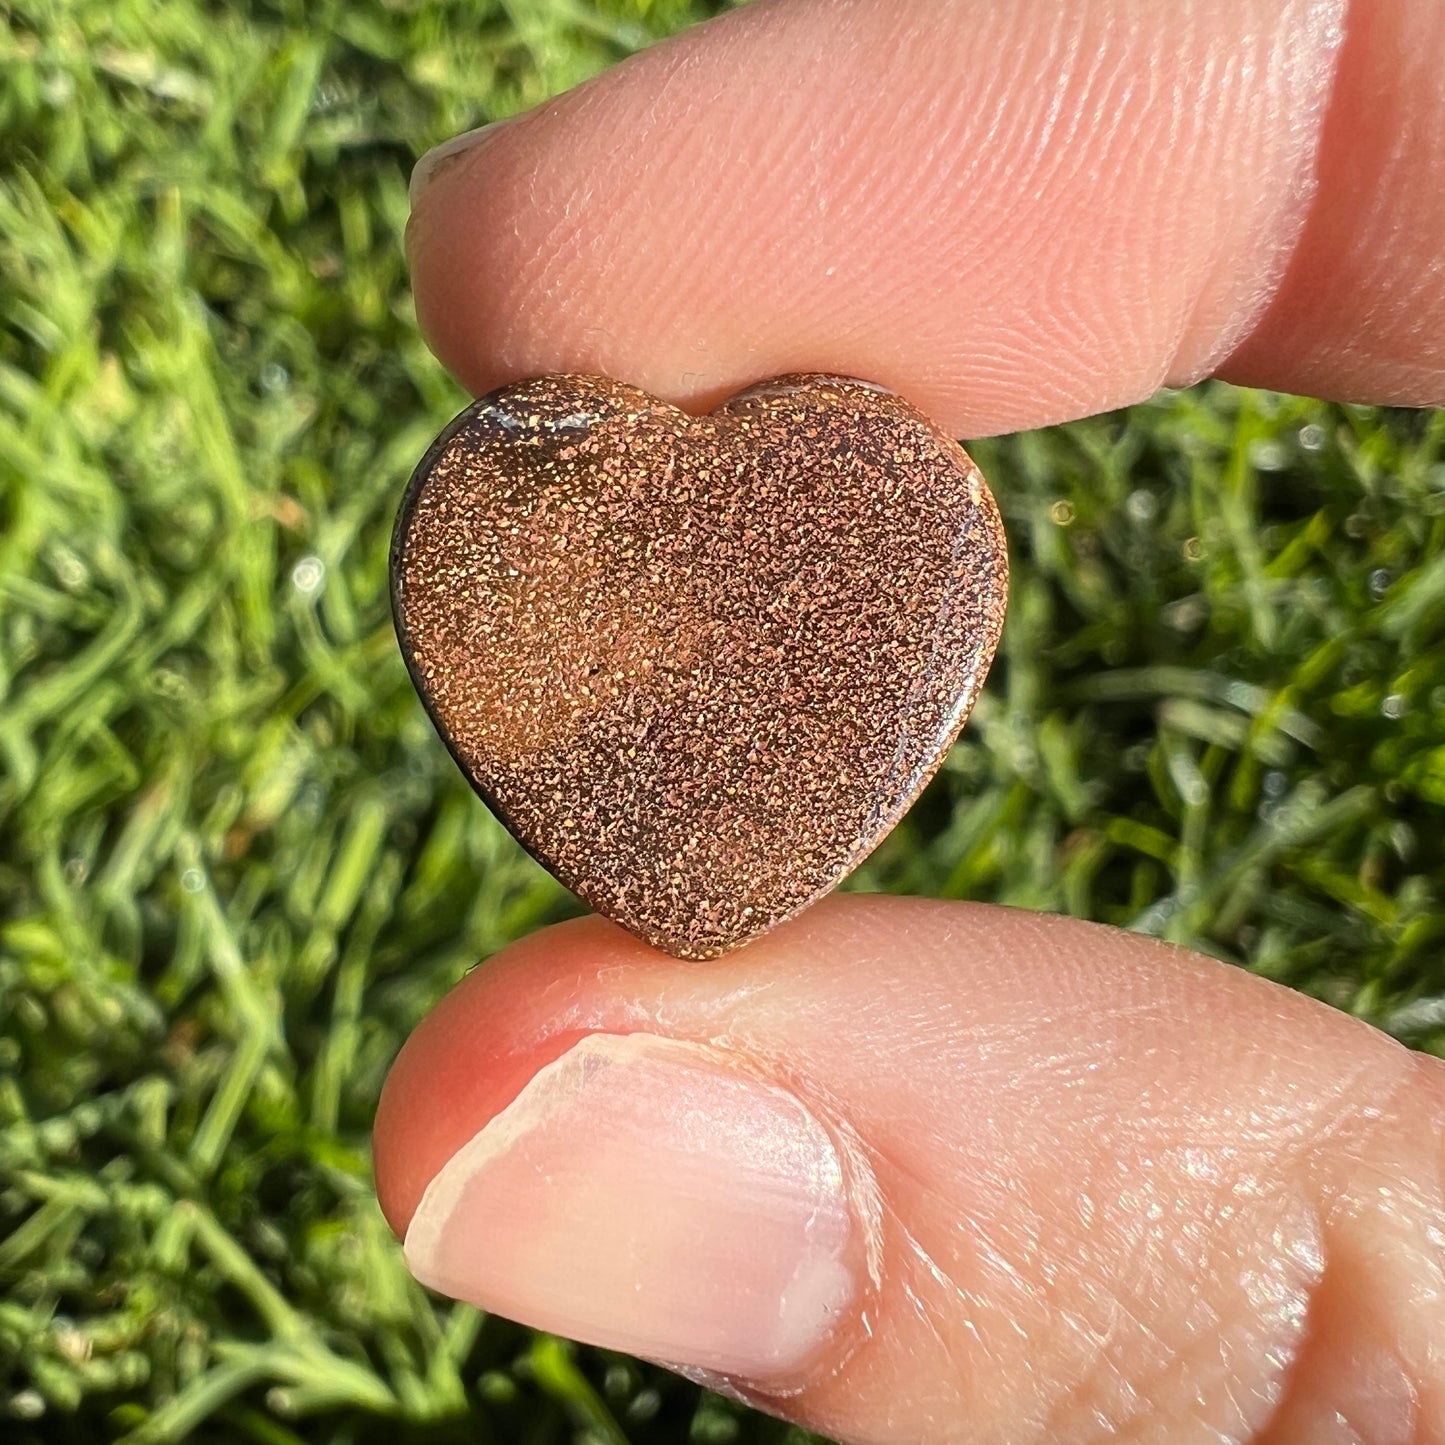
x: 698, y: 666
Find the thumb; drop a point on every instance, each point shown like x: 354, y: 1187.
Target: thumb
x: 906, y: 1170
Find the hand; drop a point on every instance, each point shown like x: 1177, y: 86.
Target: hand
x: 903, y: 1170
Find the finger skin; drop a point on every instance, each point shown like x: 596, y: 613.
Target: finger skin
x: 1361, y: 310
x: 1012, y: 213
x: 1123, y: 1192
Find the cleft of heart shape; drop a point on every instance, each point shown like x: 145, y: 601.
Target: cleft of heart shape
x: 699, y: 666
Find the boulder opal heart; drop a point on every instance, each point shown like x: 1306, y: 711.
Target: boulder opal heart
x: 699, y: 666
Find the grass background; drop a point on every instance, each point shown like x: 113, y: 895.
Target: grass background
x: 235, y: 865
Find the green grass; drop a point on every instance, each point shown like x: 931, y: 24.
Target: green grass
x: 236, y: 867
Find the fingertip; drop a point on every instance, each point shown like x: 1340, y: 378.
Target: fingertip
x: 902, y: 1162
x: 835, y: 187
x: 1005, y: 245
x: 472, y: 1055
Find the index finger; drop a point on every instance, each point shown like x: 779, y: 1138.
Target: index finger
x: 1012, y: 213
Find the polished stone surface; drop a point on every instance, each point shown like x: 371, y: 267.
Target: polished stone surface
x: 699, y: 666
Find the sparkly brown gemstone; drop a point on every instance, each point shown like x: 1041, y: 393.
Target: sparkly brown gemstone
x: 699, y: 666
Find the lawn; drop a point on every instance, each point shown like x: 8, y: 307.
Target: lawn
x: 236, y: 866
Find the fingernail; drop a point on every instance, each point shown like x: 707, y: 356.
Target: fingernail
x: 645, y: 1195
x: 440, y: 156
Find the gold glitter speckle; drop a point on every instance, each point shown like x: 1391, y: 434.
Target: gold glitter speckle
x: 698, y: 666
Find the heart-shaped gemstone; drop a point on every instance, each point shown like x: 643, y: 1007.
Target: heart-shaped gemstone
x: 699, y: 666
